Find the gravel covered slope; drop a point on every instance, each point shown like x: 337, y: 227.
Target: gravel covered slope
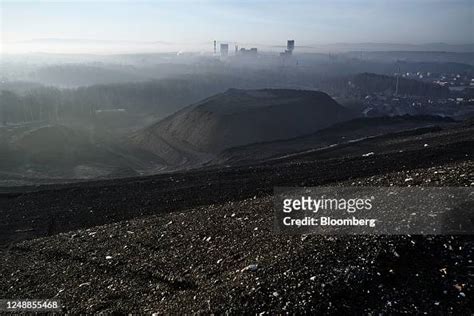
x: 226, y: 258
x: 47, y: 210
x: 203, y: 241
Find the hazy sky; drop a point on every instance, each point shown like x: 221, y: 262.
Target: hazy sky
x: 256, y: 21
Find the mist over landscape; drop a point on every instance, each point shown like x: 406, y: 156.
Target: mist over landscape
x: 100, y: 112
x: 132, y: 131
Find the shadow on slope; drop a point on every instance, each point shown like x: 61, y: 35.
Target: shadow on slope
x: 339, y: 133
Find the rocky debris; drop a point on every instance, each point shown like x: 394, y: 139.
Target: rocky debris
x: 451, y: 174
x: 250, y: 268
x: 210, y: 259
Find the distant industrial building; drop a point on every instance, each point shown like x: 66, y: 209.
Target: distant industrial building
x: 290, y: 46
x: 224, y: 50
x: 248, y: 52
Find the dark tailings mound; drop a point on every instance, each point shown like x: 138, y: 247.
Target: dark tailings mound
x: 239, y: 117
